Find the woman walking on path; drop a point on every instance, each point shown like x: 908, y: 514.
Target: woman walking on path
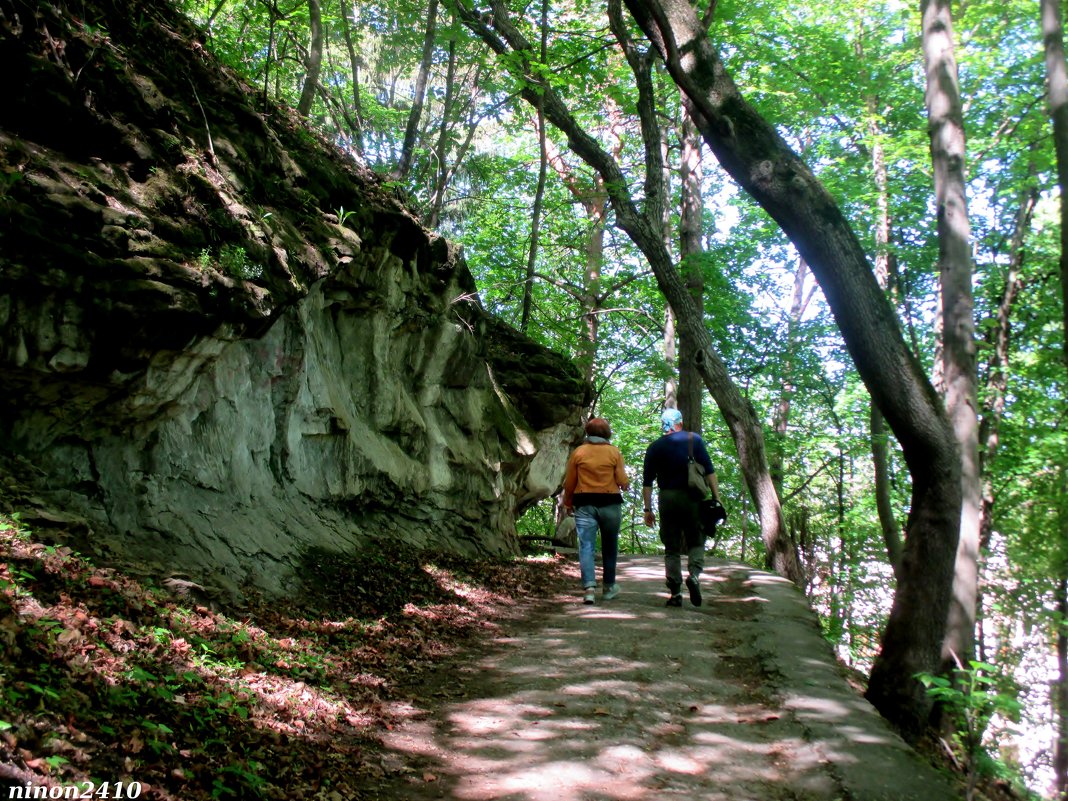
x: 593, y: 487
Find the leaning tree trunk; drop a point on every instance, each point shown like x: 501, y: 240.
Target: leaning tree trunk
x: 759, y: 159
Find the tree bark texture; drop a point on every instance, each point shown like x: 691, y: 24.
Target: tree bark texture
x: 1060, y: 695
x: 946, y: 129
x: 756, y: 156
x: 315, y: 59
x: 1057, y: 86
x: 645, y: 230
x: 691, y: 223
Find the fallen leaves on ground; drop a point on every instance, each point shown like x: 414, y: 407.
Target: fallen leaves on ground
x: 104, y: 678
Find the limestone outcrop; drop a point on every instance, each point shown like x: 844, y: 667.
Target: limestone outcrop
x: 224, y: 344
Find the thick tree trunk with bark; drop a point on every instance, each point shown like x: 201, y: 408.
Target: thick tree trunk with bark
x: 1057, y: 81
x: 1057, y: 84
x: 755, y: 155
x: 1060, y: 695
x: 946, y: 128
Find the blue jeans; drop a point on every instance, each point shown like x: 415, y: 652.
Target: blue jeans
x: 588, y: 519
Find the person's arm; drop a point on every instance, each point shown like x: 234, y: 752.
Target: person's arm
x: 713, y: 484
x: 570, y: 481
x: 621, y: 472
x: 648, y: 475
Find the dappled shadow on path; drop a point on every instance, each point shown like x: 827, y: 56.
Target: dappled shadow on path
x: 620, y: 700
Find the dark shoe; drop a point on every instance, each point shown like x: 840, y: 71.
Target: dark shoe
x: 695, y: 590
x: 675, y: 600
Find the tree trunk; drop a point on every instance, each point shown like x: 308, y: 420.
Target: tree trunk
x: 354, y: 67
x: 315, y: 59
x: 780, y: 416
x: 1057, y: 85
x: 757, y: 158
x: 441, y: 149
x: 880, y: 453
x: 997, y: 367
x: 946, y: 128
x: 1060, y: 694
x: 411, y: 130
x: 691, y: 224
x: 880, y: 450
x: 1057, y: 81
x: 671, y: 359
x: 539, y: 193
x: 446, y: 170
x: 591, y: 296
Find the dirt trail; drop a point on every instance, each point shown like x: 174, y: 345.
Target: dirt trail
x: 738, y: 699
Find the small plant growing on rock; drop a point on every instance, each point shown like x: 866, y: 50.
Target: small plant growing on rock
x: 232, y: 261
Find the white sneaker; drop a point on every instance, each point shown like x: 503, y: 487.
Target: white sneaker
x: 611, y: 592
x: 590, y: 596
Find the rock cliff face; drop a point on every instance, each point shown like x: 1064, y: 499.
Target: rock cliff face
x: 226, y: 343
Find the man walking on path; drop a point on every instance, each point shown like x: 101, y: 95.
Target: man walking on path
x: 667, y: 462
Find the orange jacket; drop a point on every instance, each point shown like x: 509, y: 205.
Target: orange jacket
x: 594, y: 467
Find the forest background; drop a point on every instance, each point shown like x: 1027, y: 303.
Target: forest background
x: 414, y: 89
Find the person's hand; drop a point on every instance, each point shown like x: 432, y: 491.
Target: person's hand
x: 650, y: 519
x: 569, y: 510
x: 722, y: 509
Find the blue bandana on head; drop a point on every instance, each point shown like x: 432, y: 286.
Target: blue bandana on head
x: 669, y: 419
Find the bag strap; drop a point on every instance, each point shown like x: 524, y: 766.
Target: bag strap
x: 689, y: 447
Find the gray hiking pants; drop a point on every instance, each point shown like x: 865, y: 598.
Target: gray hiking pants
x: 680, y: 531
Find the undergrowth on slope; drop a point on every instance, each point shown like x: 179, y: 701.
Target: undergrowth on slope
x: 108, y: 679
